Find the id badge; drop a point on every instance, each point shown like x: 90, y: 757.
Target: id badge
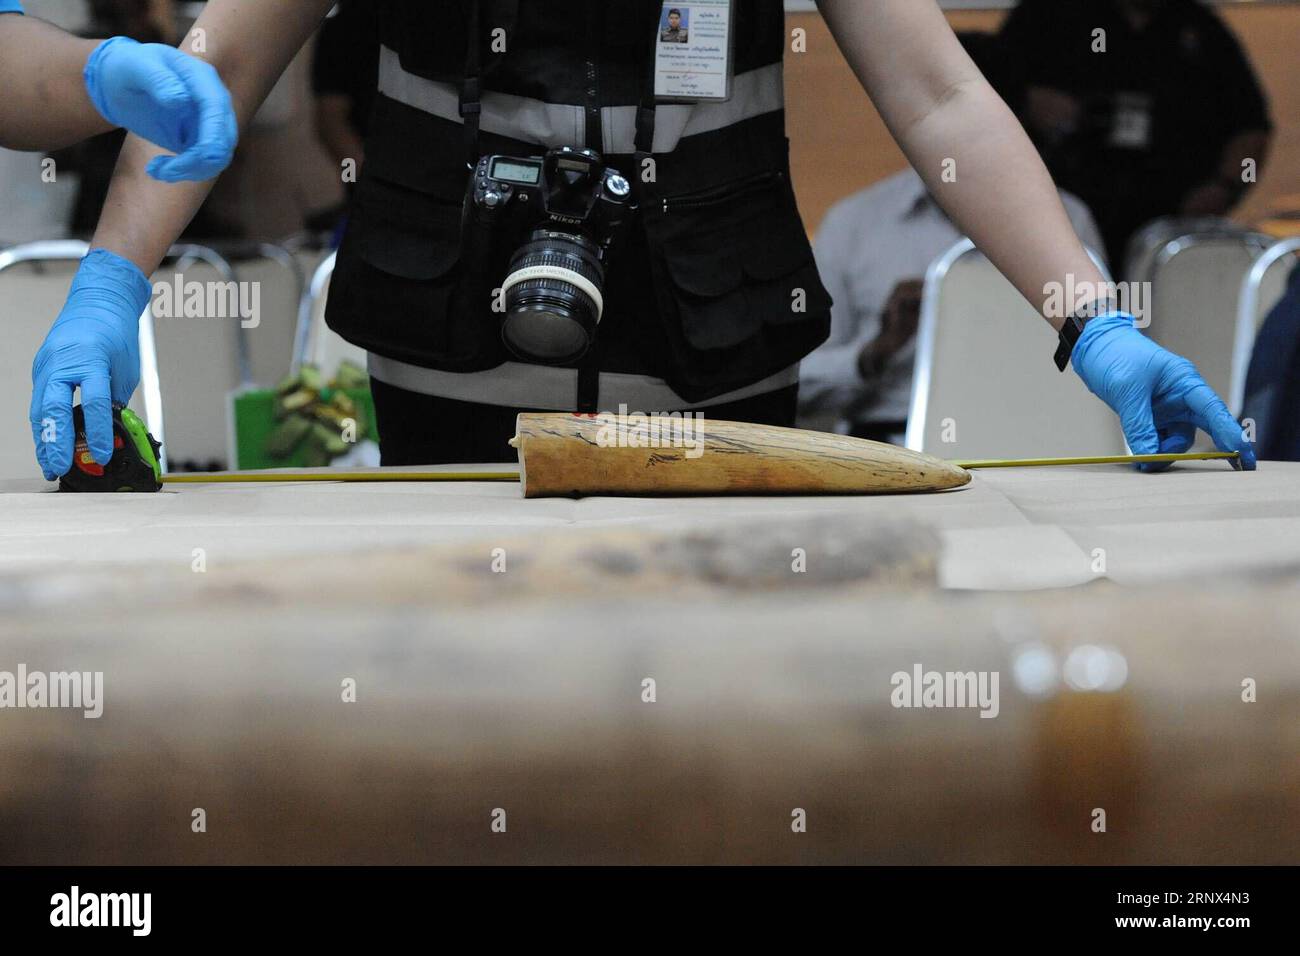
x: 693, y: 51
x: 1131, y: 124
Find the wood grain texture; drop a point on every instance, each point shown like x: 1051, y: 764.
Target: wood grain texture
x: 568, y: 455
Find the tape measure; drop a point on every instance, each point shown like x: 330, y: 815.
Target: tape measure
x: 133, y: 467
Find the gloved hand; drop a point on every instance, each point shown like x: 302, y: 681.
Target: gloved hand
x: 169, y: 98
x: 1160, y: 397
x: 93, y: 343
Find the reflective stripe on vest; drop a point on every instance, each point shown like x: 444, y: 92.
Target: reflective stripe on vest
x: 518, y: 385
x: 755, y: 93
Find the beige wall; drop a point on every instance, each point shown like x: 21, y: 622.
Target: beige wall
x: 840, y: 144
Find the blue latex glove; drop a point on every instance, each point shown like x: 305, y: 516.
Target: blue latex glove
x: 93, y: 343
x: 1160, y: 397
x: 173, y: 100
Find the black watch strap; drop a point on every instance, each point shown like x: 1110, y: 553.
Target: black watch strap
x: 1072, y: 328
x: 1070, y: 332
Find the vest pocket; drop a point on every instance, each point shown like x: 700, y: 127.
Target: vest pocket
x: 405, y: 232
x: 737, y: 281
x: 399, y: 287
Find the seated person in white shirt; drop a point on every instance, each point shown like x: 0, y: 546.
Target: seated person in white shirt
x: 873, y: 250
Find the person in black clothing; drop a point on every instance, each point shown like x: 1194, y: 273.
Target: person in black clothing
x: 344, y: 75
x: 711, y: 297
x: 1141, y: 108
x: 344, y: 80
x: 674, y: 33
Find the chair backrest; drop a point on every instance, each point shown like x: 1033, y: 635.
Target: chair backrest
x: 1196, y: 283
x: 984, y: 385
x: 203, y: 357
x: 1145, y: 244
x: 34, y: 281
x: 1261, y: 290
x: 276, y: 277
x: 317, y: 344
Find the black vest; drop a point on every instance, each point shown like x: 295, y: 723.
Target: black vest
x: 715, y: 286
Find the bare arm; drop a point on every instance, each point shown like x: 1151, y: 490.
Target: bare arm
x: 250, y: 42
x: 943, y: 113
x: 44, y: 104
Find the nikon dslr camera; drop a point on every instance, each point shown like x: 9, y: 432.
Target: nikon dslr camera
x: 542, y: 227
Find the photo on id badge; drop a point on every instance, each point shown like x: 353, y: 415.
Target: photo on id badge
x: 675, y: 25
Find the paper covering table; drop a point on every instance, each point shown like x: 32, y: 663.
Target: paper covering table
x: 499, y: 651
x: 1009, y: 529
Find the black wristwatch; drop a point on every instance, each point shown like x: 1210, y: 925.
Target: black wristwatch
x: 1072, y: 328
x: 1070, y: 332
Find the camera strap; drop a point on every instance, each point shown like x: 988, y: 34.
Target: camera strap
x: 471, y: 93
x: 595, y: 131
x: 471, y: 112
x: 644, y: 143
x: 587, y: 398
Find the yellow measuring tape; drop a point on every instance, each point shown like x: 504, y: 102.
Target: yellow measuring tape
x: 202, y: 478
x: 1102, y: 460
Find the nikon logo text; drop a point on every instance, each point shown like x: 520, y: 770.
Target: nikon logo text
x: 922, y: 688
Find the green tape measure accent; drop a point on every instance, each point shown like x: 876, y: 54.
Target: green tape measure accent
x: 139, y: 435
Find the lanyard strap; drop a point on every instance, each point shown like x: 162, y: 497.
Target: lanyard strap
x: 588, y: 393
x: 595, y: 133
x: 645, y: 112
x: 471, y: 94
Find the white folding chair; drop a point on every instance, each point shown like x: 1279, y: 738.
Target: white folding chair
x: 1145, y: 244
x: 316, y: 343
x: 1196, y: 282
x: 1260, y: 291
x: 206, y: 357
x: 984, y: 384
x: 279, y: 277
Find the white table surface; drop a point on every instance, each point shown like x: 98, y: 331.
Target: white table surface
x: 1012, y: 529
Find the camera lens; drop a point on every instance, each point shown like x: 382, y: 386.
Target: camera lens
x: 553, y: 297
